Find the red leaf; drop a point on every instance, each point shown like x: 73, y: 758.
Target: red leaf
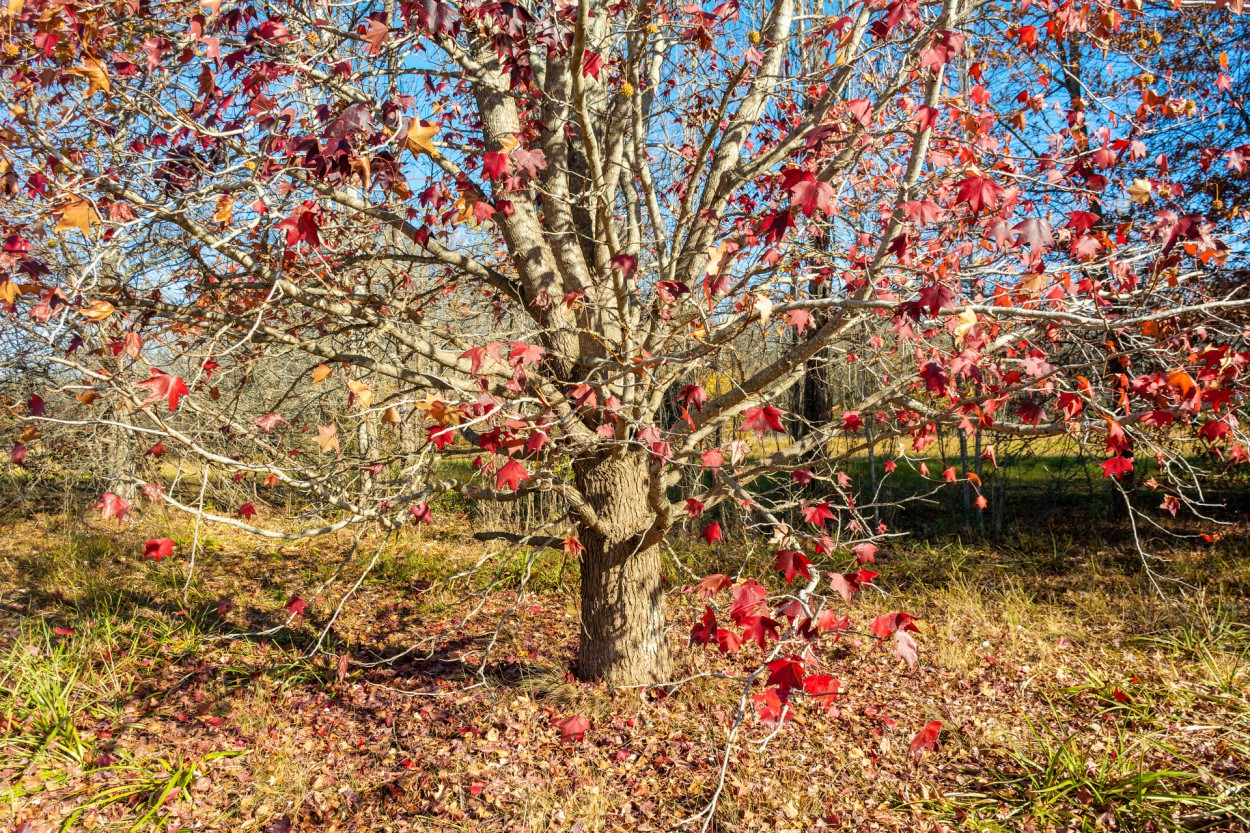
x: 711, y: 532
x: 495, y: 166
x: 762, y: 420
x: 865, y: 553
x: 728, y: 641
x: 268, y: 422
x: 812, y: 196
x: 823, y: 689
x: 770, y: 708
x: 785, y: 673
x: 296, y: 606
x: 693, y: 396
x: 113, y: 506
x: 885, y: 625
x: 158, y: 548
x: 708, y: 587
x: 571, y: 728
x: 705, y: 628
x: 905, y: 647
x: 1116, y: 467
x: 759, y: 629
x: 979, y: 192
x: 747, y: 598
x: 161, y: 385
x: 420, y: 513
x: 376, y: 36
x: 512, y: 474
x: 523, y: 354
x: 817, y: 514
x: 926, y: 738
x: 844, y: 588
x: 792, y: 563
x: 247, y: 510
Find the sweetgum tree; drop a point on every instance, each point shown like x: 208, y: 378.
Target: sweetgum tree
x: 589, y: 247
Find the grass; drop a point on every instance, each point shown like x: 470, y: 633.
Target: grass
x: 1072, y: 698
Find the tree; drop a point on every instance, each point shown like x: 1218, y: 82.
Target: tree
x: 521, y: 225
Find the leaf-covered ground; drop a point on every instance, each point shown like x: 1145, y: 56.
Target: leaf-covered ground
x: 1070, y: 696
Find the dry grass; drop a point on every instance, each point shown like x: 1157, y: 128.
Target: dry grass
x: 1071, y: 697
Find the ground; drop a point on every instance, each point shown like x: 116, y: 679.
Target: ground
x: 144, y: 695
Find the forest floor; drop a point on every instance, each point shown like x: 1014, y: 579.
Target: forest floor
x: 144, y: 695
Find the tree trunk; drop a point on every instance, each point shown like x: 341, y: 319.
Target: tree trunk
x: 623, y: 632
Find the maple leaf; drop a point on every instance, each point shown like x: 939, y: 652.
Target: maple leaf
x: 302, y: 227
x: 693, y: 396
x: 711, y: 533
x: 97, y: 311
x: 792, y: 563
x: 96, y: 73
x: 759, y: 629
x: 511, y: 474
x: 113, y: 506
x: 529, y: 161
x: 161, y: 385
x: 762, y: 420
x: 926, y: 739
x: 979, y: 192
x: 592, y: 65
x: 17, y: 455
x: 495, y: 166
x: 770, y: 708
x: 420, y: 513
x: 865, y: 553
x: 158, y: 548
x: 1116, y: 467
x: 843, y: 586
x: 376, y: 35
x: 822, y: 688
x: 708, y: 587
x: 923, y: 212
x: 727, y: 641
x: 748, y: 596
x: 440, y: 436
x: 799, y: 319
x: 1140, y: 190
x: 705, y: 629
x: 522, y: 354
x: 572, y: 728
x: 905, y: 647
x: 786, y: 674
x: 76, y: 213
x: 625, y: 264
x: 936, y: 297
x: 246, y: 511
x: 1035, y: 233
x: 884, y: 626
x: 327, y: 437
x: 817, y: 514
x: 268, y: 422
x: 296, y: 606
x: 812, y: 196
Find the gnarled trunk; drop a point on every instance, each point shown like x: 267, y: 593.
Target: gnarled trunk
x: 623, y: 634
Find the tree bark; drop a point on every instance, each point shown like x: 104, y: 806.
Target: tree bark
x: 623, y: 630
